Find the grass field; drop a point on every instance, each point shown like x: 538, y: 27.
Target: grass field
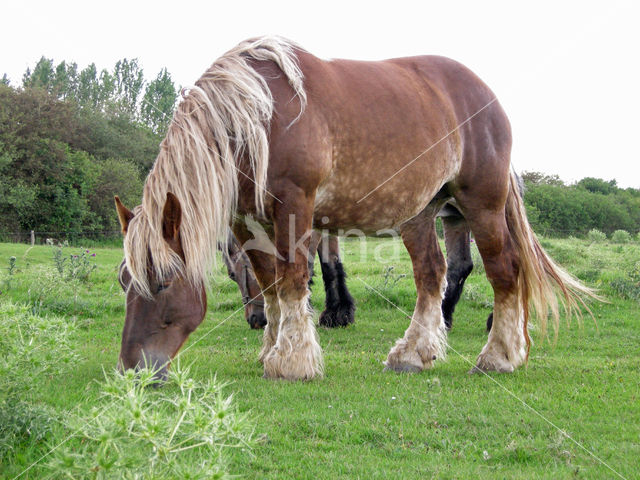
x: 574, y: 412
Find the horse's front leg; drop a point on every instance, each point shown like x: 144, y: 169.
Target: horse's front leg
x: 296, y: 354
x: 264, y: 267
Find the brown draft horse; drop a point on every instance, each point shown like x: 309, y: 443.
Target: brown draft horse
x: 339, y: 308
x: 273, y: 132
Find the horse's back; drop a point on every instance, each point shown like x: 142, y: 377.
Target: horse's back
x: 399, y: 127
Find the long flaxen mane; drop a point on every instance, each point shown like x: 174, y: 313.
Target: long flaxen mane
x: 225, y: 116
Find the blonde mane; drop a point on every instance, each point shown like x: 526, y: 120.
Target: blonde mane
x: 223, y: 117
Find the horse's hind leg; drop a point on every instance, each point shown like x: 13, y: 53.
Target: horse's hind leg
x: 506, y: 348
x: 459, y: 263
x: 425, y: 339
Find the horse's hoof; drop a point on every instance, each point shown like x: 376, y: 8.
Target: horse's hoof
x: 340, y: 317
x: 488, y: 364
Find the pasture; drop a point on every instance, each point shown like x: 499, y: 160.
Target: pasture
x: 572, y: 413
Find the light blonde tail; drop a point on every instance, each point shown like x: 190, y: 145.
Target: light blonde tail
x: 540, y: 277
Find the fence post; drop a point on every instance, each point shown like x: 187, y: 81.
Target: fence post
x: 33, y: 238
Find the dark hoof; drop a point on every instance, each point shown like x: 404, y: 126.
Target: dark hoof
x: 340, y: 317
x: 402, y: 368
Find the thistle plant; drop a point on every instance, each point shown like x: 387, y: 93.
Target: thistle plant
x: 75, y: 266
x: 81, y: 266
x: 58, y: 255
x: 33, y: 347
x: 182, y: 430
x: 11, y: 270
x: 620, y: 236
x: 390, y: 278
x: 12, y: 266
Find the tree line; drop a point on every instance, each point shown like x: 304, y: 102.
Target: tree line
x: 121, y: 92
x: 559, y: 209
x: 70, y: 139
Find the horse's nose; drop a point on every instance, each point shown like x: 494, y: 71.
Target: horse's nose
x: 257, y: 320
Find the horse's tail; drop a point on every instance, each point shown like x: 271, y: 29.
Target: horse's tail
x: 539, y: 276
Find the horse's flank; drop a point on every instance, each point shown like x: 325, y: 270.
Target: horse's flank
x: 223, y: 118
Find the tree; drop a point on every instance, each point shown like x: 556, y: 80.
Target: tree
x: 114, y: 177
x: 88, y: 90
x: 158, y: 102
x: 41, y: 77
x: 65, y: 80
x: 128, y: 80
x: 597, y: 185
x: 5, y: 80
x: 106, y: 91
x: 539, y: 178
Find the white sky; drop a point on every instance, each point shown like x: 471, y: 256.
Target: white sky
x: 567, y: 73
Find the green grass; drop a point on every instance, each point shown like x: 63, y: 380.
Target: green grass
x: 361, y: 422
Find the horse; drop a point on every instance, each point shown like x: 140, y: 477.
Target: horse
x: 295, y: 142
x: 339, y: 308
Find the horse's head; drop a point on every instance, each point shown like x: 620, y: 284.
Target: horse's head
x: 241, y: 272
x: 157, y: 325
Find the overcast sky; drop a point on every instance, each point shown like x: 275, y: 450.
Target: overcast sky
x: 567, y: 73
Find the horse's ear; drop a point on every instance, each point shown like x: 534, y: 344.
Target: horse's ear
x: 171, y: 218
x: 124, y: 215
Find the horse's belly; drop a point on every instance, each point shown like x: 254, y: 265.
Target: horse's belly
x: 341, y: 206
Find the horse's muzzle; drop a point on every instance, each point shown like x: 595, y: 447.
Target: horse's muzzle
x: 257, y: 320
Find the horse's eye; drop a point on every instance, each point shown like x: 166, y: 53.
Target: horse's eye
x: 162, y: 287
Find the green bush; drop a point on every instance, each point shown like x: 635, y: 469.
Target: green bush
x: 60, y: 164
x: 562, y: 210
x: 620, y: 236
x: 596, y: 236
x: 114, y: 177
x: 625, y: 288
